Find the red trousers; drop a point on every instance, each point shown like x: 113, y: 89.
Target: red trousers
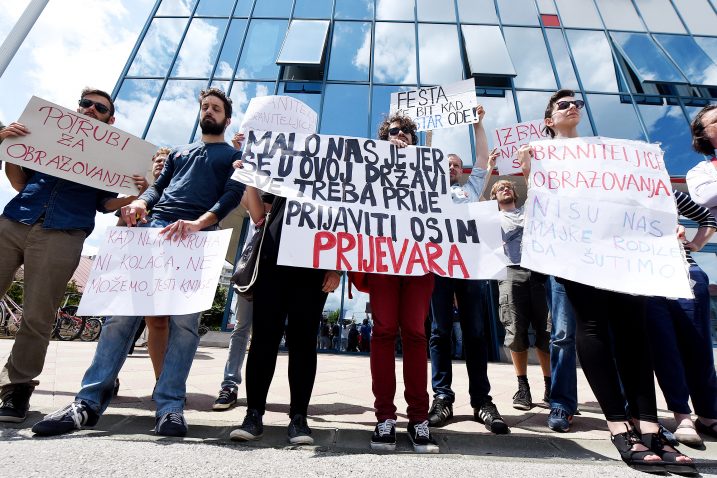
x: 400, y: 301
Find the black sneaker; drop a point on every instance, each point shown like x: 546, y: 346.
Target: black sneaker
x: 115, y: 389
x: 227, y: 398
x: 73, y: 417
x: 559, y: 420
x: 171, y: 424
x: 384, y: 436
x: 421, y: 438
x: 16, y: 403
x: 441, y: 411
x: 522, y: 399
x: 299, y: 431
x: 250, y: 429
x: 488, y: 415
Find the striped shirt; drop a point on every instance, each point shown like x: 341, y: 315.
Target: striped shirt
x: 691, y: 210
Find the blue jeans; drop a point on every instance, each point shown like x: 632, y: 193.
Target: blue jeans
x: 681, y: 343
x: 563, y: 366
x: 457, y: 340
x: 238, y: 343
x: 468, y: 294
x: 114, y: 344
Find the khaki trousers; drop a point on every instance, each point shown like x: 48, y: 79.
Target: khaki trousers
x: 50, y: 257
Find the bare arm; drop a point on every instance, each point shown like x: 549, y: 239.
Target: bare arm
x: 16, y: 176
x: 481, y: 139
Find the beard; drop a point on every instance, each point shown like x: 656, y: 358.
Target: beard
x: 210, y: 127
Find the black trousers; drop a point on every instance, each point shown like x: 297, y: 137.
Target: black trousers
x: 612, y: 346
x: 293, y: 296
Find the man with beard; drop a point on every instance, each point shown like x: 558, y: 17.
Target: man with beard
x: 193, y: 193
x: 43, y: 228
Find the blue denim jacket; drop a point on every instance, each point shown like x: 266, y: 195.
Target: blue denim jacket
x: 63, y: 204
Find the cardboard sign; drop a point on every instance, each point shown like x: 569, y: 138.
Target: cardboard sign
x: 137, y: 271
x: 436, y: 107
x: 75, y: 147
x: 601, y: 212
x: 510, y: 138
x: 279, y: 113
x: 356, y: 201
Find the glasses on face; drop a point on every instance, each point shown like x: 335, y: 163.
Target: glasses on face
x: 564, y: 105
x: 395, y: 131
x: 101, y: 109
x: 503, y: 188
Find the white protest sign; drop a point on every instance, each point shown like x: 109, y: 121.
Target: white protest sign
x: 78, y: 148
x: 137, y: 271
x: 435, y: 107
x: 348, y: 195
x: 601, y: 212
x: 509, y: 139
x: 279, y: 113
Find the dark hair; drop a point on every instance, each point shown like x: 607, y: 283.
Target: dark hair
x: 219, y: 94
x: 404, y: 121
x: 94, y: 91
x: 551, y: 104
x: 699, y: 142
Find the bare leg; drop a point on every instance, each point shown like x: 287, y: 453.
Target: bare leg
x: 520, y: 362
x: 157, y: 337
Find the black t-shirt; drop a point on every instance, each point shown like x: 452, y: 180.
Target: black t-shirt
x: 272, y: 236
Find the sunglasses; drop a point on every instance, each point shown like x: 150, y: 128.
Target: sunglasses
x: 101, y: 109
x: 563, y: 105
x: 395, y: 131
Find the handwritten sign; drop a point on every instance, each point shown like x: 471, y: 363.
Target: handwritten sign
x: 354, y: 202
x: 137, y: 271
x: 78, y: 148
x: 279, y: 113
x: 510, y: 138
x: 436, y: 107
x: 601, y: 212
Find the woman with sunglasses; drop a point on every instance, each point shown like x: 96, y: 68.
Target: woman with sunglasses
x: 611, y: 341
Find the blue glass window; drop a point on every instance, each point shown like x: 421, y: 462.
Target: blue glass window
x: 304, y: 43
x: 350, y: 51
x: 312, y: 100
x: 230, y: 51
x: 393, y: 10
x: 436, y: 10
x: 243, y: 8
x: 499, y: 112
x: 477, y: 11
x: 620, y: 15
x: 394, y: 54
x: 547, y: 7
x: 215, y: 8
x: 698, y: 15
x: 158, y: 46
x: 200, y: 48
x: 709, y: 45
x: 530, y: 58
x: 667, y: 124
x: 241, y: 94
x: 258, y: 57
x: 354, y: 9
x: 381, y: 104
x: 561, y: 58
x: 646, y: 59
x: 134, y: 103
x: 593, y: 59
x: 456, y: 140
x: 176, y: 7
x: 690, y: 58
x: 313, y: 8
x: 518, y: 12
x: 440, y: 57
x: 660, y: 16
x: 273, y: 8
x: 173, y: 122
x: 486, y: 51
x: 345, y: 110
x: 615, y: 118
x: 579, y: 14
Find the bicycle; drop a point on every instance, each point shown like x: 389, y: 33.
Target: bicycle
x: 10, y: 316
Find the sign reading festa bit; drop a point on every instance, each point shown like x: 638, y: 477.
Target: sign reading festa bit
x: 510, y: 138
x: 75, y: 147
x: 279, y: 113
x: 436, y: 107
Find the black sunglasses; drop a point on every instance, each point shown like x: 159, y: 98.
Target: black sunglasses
x: 394, y: 131
x: 85, y: 103
x: 563, y: 105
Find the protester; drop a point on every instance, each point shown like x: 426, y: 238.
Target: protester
x: 365, y: 331
x: 335, y: 335
x: 468, y: 295
x: 324, y: 335
x: 352, y: 344
x: 611, y: 344
x: 344, y: 337
x: 193, y: 193
x: 400, y: 302
x: 44, y: 228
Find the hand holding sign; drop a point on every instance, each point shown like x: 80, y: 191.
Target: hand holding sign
x: 135, y: 211
x: 14, y: 129
x: 525, y: 155
x: 180, y: 229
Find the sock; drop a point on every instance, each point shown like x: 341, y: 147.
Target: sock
x: 523, y: 381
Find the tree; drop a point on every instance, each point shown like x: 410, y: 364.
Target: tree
x: 213, y: 317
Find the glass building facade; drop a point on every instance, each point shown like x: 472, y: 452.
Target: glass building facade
x: 643, y: 67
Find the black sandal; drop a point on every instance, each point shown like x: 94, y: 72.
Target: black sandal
x: 657, y: 444
x: 636, y: 459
